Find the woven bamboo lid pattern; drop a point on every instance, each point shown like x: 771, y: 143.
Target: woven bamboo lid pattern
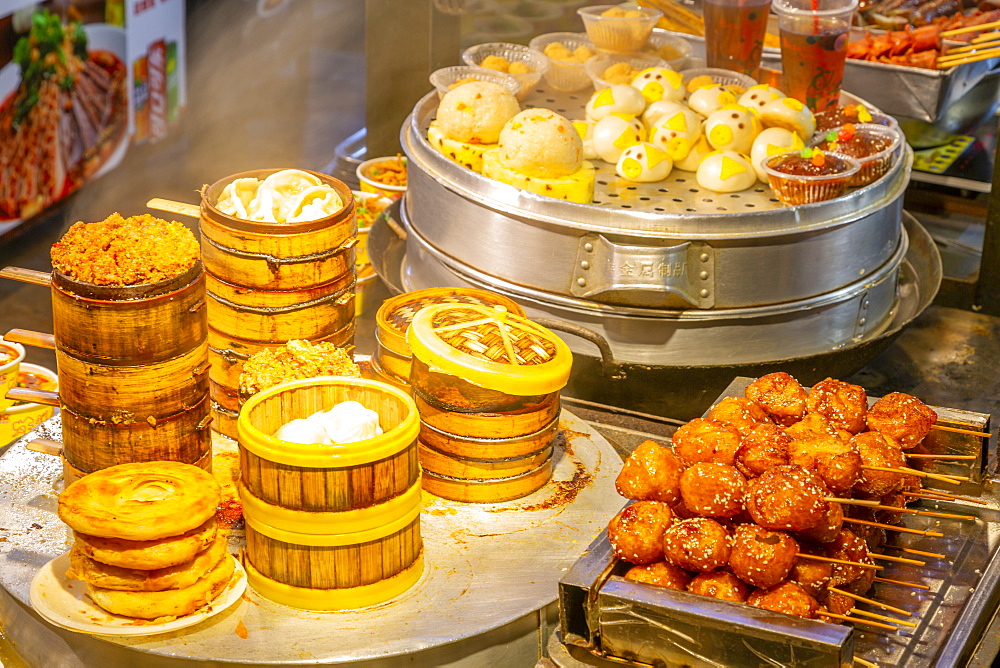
x: 396, y: 314
x: 490, y: 347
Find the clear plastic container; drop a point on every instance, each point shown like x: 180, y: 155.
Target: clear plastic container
x: 794, y: 189
x: 873, y: 165
x: 534, y: 60
x: 619, y: 33
x: 567, y: 75
x: 447, y: 78
x: 598, y: 65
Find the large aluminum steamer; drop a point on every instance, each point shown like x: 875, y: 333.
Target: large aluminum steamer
x: 674, y: 277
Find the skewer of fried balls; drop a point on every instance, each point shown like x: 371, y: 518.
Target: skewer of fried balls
x: 749, y: 503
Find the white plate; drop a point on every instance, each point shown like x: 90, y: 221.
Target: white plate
x: 64, y: 602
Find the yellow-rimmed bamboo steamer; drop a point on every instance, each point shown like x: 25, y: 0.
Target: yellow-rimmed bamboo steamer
x: 133, y: 371
x: 486, y: 383
x: 269, y: 283
x: 392, y: 356
x: 330, y: 526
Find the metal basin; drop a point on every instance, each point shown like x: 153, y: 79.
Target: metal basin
x: 963, y: 117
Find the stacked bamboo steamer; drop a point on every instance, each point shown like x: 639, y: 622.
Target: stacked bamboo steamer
x: 330, y: 527
x: 269, y: 283
x: 133, y: 372
x: 486, y: 383
x: 391, y: 359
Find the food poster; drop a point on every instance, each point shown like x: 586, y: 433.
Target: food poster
x: 69, y: 99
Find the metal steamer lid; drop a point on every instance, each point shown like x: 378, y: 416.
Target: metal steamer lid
x: 491, y: 347
x: 395, y: 314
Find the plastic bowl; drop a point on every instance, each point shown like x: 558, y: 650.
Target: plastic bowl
x: 619, y: 34
x: 535, y: 60
x: 663, y: 44
x: 597, y: 65
x: 567, y: 75
x: 875, y: 165
x: 446, y: 78
x: 795, y: 189
x: 18, y: 420
x: 371, y: 185
x: 720, y: 76
x: 375, y: 201
x: 10, y: 362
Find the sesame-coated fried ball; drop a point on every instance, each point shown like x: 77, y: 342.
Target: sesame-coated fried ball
x: 838, y: 604
x: 720, y: 584
x: 704, y: 440
x: 813, y: 425
x: 903, y: 417
x: 826, y: 530
x: 740, y: 412
x: 651, y: 473
x: 877, y: 449
x: 849, y: 547
x: 837, y: 462
x: 861, y: 584
x: 660, y: 574
x: 697, y: 544
x: 893, y: 500
x: 780, y: 395
x: 713, y: 490
x: 786, y: 597
x: 636, y: 533
x: 761, y: 557
x: 764, y: 448
x: 843, y: 404
x: 787, y: 498
x: 812, y: 575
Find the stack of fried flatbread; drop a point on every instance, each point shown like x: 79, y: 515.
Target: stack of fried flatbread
x: 147, y: 544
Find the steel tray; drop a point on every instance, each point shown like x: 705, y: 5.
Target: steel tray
x: 610, y: 616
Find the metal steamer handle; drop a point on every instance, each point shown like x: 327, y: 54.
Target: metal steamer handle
x: 609, y: 367
x: 603, y: 266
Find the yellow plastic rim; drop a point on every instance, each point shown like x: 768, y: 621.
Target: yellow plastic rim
x: 510, y: 378
x: 335, y: 599
x: 343, y: 522
x: 332, y: 539
x: 344, y: 455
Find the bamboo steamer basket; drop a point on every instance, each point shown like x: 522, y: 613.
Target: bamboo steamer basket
x: 478, y: 447
x: 392, y: 352
x: 133, y: 371
x: 331, y: 527
x: 329, y: 479
x: 486, y: 383
x: 131, y: 325
x: 494, y: 490
x: 265, y: 316
x: 90, y: 444
x: 334, y: 571
x: 465, y: 468
x: 158, y: 389
x: 277, y: 256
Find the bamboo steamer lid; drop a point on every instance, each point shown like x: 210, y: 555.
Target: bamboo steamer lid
x: 395, y: 315
x: 490, y: 347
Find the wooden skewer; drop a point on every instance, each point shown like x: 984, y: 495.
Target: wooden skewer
x: 45, y: 447
x: 942, y: 496
x: 871, y: 503
x: 976, y: 44
x: 902, y: 560
x: 873, y: 567
x: 170, y: 206
x: 929, y: 456
x: 892, y: 527
x: 928, y: 513
x: 975, y: 28
x: 941, y: 427
x: 866, y: 664
x: 856, y: 620
x: 924, y: 554
x: 944, y: 64
x: 934, y: 476
x: 954, y: 480
x: 914, y: 585
x: 985, y: 38
x: 869, y: 601
x: 875, y: 615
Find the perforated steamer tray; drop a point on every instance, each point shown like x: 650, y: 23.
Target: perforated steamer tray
x: 602, y: 611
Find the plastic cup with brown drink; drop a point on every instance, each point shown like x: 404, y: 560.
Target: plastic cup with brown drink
x: 734, y: 34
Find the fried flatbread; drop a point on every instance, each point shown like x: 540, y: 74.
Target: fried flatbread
x: 140, y: 501
x: 183, y: 575
x: 148, y: 554
x: 169, y: 602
